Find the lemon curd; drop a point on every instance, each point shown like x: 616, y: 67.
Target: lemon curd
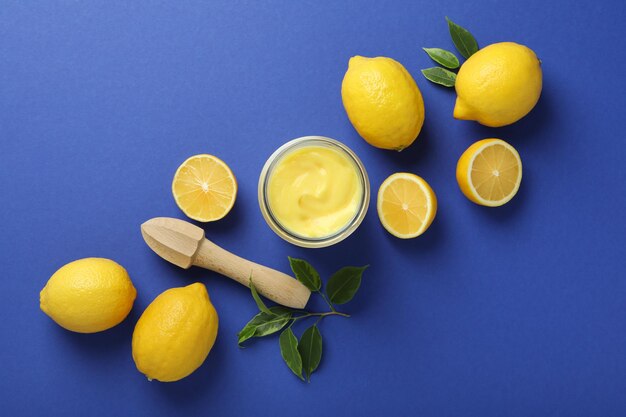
x: 314, y: 191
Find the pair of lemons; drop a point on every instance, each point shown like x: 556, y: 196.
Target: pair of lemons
x: 496, y: 86
x: 173, y: 336
x: 176, y: 332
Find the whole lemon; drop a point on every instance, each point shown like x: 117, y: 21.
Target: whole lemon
x: 498, y: 85
x: 175, y: 333
x: 383, y: 102
x: 88, y: 295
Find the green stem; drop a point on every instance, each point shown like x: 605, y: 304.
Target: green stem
x: 327, y: 300
x: 320, y: 315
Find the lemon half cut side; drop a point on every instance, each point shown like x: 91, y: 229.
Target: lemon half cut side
x: 406, y: 205
x: 489, y: 172
x: 204, y: 188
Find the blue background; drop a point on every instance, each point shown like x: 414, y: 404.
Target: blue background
x: 514, y: 311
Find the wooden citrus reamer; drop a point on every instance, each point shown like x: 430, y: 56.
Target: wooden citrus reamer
x: 184, y: 245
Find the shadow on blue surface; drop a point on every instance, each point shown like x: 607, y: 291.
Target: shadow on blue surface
x: 414, y: 155
x: 357, y: 250
x: 229, y: 225
x: 429, y: 242
x: 505, y: 213
x: 110, y: 345
x: 196, y: 386
x: 525, y: 131
x: 101, y: 345
x: 520, y: 135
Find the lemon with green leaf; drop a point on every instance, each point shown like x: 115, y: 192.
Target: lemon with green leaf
x: 498, y: 85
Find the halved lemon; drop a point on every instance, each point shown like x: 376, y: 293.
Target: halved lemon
x: 489, y: 172
x: 204, y: 188
x: 406, y: 205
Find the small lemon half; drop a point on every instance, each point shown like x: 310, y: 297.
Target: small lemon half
x: 204, y: 188
x: 406, y: 205
x: 489, y: 172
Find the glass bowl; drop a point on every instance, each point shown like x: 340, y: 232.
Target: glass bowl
x: 291, y: 236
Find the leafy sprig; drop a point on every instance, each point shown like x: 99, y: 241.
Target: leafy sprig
x: 464, y: 42
x: 303, y: 356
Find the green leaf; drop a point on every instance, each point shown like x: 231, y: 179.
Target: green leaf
x: 257, y: 299
x: 306, y: 274
x: 440, y: 76
x: 289, y: 351
x: 463, y: 40
x: 310, y: 348
x: 443, y: 57
x: 344, y: 283
x: 246, y: 333
x: 264, y: 324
